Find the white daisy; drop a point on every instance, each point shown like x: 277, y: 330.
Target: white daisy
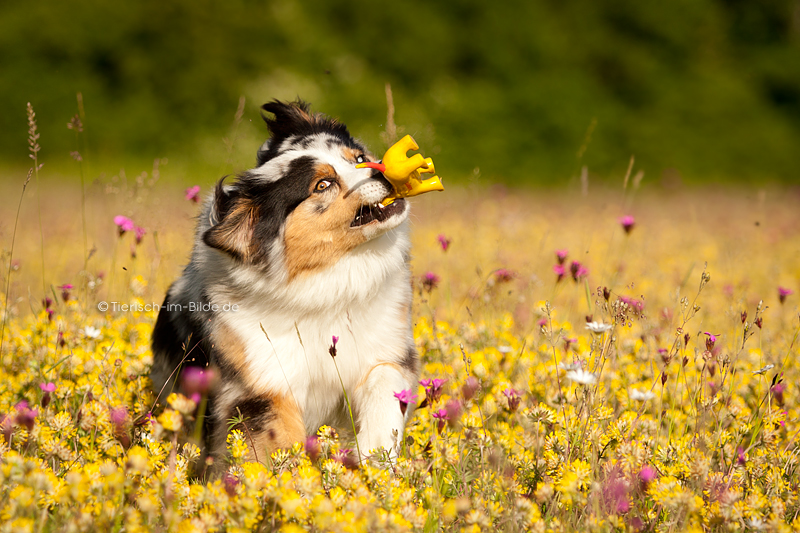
x: 643, y: 396
x: 763, y: 370
x: 581, y: 376
x: 598, y: 327
x: 91, y: 332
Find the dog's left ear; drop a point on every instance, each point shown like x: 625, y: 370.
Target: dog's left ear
x: 233, y: 219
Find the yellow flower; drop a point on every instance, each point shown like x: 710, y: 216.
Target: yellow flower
x: 171, y: 420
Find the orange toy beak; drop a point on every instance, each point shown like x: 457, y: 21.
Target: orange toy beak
x: 380, y: 167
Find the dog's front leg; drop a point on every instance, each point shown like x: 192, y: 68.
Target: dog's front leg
x: 380, y: 418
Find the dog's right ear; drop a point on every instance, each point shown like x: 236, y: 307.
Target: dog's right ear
x: 233, y: 219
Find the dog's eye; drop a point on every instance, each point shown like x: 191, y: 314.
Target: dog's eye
x: 361, y: 159
x: 322, y: 185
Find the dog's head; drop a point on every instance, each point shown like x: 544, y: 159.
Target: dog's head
x: 305, y: 201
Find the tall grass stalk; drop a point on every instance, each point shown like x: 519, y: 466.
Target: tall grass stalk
x: 76, y: 125
x: 10, y: 264
x: 33, y: 147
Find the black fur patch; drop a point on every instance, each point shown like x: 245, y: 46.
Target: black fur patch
x: 411, y: 360
x: 272, y: 201
x: 256, y: 413
x: 295, y: 118
x: 179, y: 336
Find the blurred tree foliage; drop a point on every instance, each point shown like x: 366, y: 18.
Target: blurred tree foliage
x: 517, y: 89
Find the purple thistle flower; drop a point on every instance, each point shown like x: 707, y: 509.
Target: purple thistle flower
x: 627, y: 223
x: 740, y: 457
x: 193, y: 194
x: 444, y: 242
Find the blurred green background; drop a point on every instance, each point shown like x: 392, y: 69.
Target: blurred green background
x: 519, y: 91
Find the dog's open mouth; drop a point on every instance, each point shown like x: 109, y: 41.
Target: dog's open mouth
x: 367, y: 214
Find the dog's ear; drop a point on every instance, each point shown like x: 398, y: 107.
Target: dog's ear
x: 233, y: 218
x: 291, y: 118
x: 294, y: 119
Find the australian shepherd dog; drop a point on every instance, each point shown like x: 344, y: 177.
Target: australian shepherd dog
x: 289, y: 256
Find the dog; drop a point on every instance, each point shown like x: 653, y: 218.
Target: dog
x: 294, y: 263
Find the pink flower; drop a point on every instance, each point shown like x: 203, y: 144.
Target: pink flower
x: 65, y: 288
x: 647, y: 474
x: 710, y: 341
x: 470, y: 387
x: 430, y: 281
x: 513, y: 398
x: 777, y: 391
x: 313, y: 448
x: 332, y: 349
x: 123, y: 224
x: 578, y: 271
x: 783, y: 292
x: 47, y: 388
x: 561, y: 256
x: 503, y: 275
x: 433, y: 388
x: 627, y: 223
x: 405, y: 397
x: 443, y: 241
x: 139, y: 232
x: 118, y: 417
x: 196, y: 380
x: 560, y: 272
x: 25, y: 415
x: 193, y: 194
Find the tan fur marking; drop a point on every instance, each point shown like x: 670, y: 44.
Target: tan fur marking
x: 397, y: 367
x: 351, y: 154
x: 318, y: 231
x: 232, y: 349
x: 281, y: 432
x: 235, y: 232
x: 321, y: 172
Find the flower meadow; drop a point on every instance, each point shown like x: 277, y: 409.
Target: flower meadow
x: 619, y: 360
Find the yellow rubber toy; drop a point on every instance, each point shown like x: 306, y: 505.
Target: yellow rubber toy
x: 404, y: 173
